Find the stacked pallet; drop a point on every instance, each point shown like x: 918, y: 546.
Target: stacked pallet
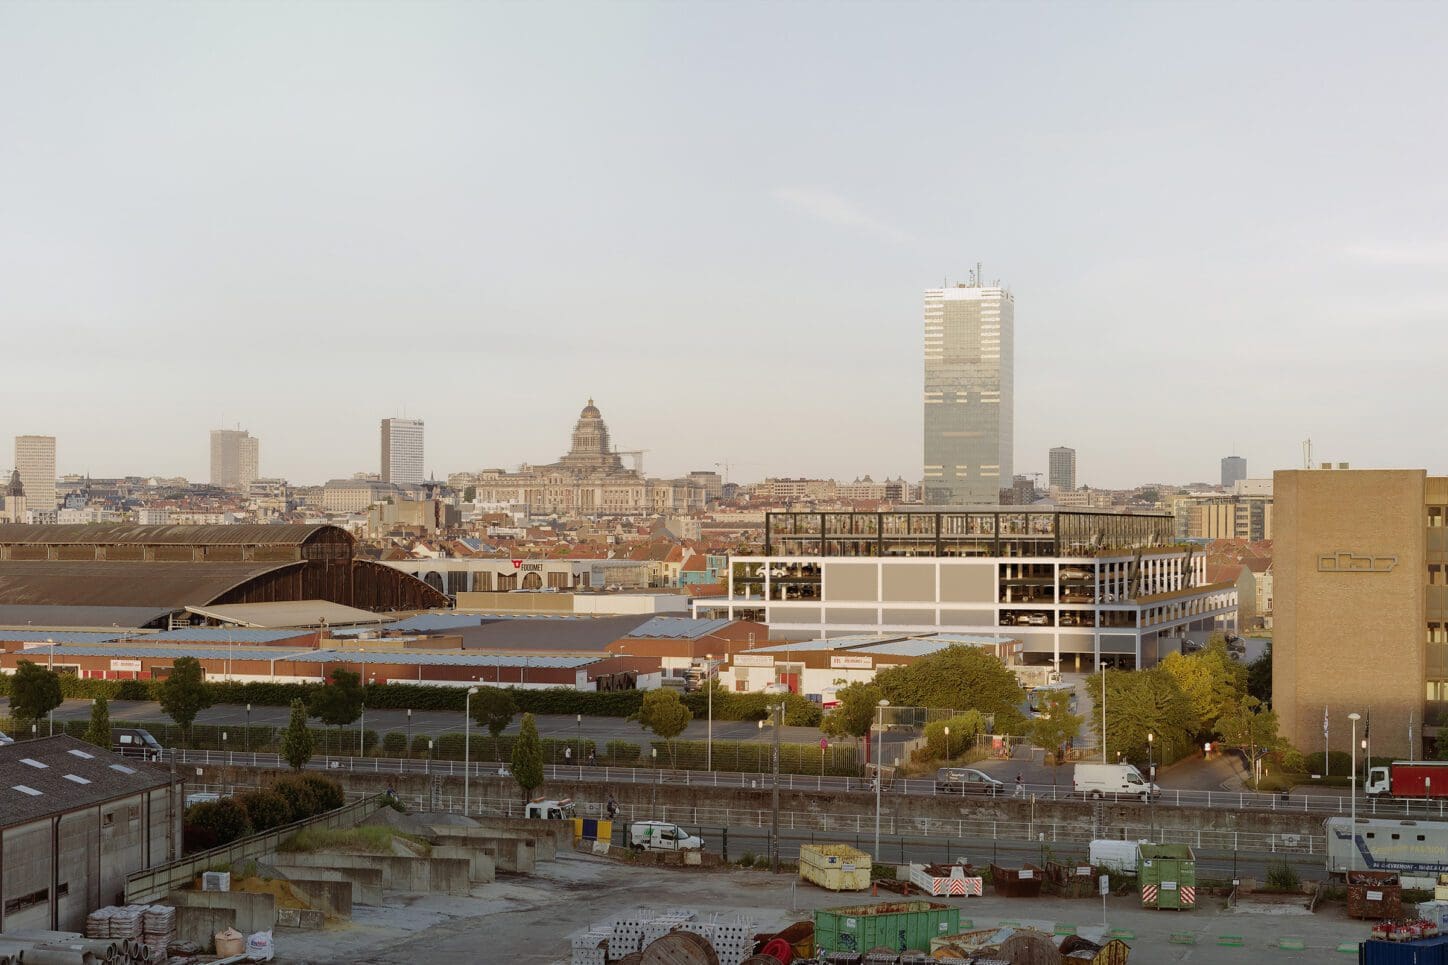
x: 158, y: 930
x: 733, y: 939
x: 590, y: 947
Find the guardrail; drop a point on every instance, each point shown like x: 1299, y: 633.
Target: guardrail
x: 1169, y: 797
x: 154, y: 883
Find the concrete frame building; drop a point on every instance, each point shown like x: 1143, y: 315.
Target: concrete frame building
x: 969, y: 394
x: 1234, y: 468
x: 235, y: 459
x: 402, y: 451
x: 1360, y: 563
x: 75, y: 820
x: 1085, y: 588
x: 1062, y: 468
x: 35, y: 460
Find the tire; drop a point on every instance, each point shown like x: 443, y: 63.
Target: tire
x: 1096, y: 795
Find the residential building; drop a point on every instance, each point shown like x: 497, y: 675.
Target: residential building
x: 235, y: 459
x: 969, y: 394
x: 75, y: 821
x: 1085, y: 588
x: 356, y: 495
x: 35, y: 461
x: 1209, y: 516
x: 591, y: 480
x: 1234, y: 468
x: 1062, y: 468
x: 402, y: 452
x: 1360, y: 565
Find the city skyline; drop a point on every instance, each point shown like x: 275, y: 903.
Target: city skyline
x: 1150, y: 205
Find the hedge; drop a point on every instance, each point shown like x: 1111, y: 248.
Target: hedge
x: 728, y: 705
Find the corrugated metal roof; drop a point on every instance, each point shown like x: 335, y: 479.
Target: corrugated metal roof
x: 128, y: 583
x: 80, y: 617
x: 679, y: 628
x: 245, y: 534
x: 923, y: 646
x: 222, y: 635
x: 53, y: 789
x: 448, y: 658
x: 422, y: 623
x: 287, y: 614
x: 566, y: 635
x: 833, y: 643
x: 62, y: 636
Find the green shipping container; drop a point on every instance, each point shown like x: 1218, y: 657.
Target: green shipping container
x: 897, y: 925
x: 1167, y: 874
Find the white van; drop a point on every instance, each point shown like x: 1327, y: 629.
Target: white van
x: 662, y: 836
x: 1099, y: 780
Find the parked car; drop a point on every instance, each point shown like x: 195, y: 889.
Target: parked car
x: 662, y: 836
x: 967, y: 780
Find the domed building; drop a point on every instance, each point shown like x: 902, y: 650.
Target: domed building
x: 591, y: 479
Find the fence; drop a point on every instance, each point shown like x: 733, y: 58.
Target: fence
x: 154, y: 883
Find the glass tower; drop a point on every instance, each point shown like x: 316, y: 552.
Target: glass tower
x: 969, y: 394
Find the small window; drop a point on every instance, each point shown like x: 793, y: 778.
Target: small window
x: 1371, y: 835
x: 1395, y: 837
x: 83, y: 754
x: 76, y: 778
x: 1421, y: 838
x: 63, y: 890
x: 33, y: 763
x: 24, y: 789
x: 108, y: 819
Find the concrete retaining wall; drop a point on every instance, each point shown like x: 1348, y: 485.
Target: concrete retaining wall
x: 364, y: 884
x: 327, y: 895
x: 201, y: 914
x: 447, y: 876
x: 481, y: 868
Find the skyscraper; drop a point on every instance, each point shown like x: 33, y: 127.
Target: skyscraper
x: 1062, y: 468
x: 1233, y: 469
x: 235, y: 458
x: 969, y: 393
x: 402, y: 450
x: 35, y: 460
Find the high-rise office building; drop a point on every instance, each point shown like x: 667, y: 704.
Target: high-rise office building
x: 1063, y: 468
x: 1233, y: 469
x: 402, y: 450
x: 235, y: 458
x: 969, y: 393
x: 35, y: 460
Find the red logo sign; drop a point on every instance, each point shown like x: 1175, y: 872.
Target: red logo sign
x: 824, y: 743
x: 517, y: 564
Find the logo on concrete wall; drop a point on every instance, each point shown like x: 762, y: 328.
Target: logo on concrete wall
x: 1344, y: 562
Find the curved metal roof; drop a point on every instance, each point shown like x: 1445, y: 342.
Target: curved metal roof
x: 91, y: 534
x: 123, y: 583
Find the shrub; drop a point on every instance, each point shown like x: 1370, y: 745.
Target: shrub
x: 449, y: 747
x: 299, y: 796
x: 746, y: 860
x: 621, y: 752
x: 419, y: 745
x: 1337, y: 763
x: 266, y: 809
x: 394, y: 743
x: 216, y: 823
x: 1281, y: 876
x: 329, y: 793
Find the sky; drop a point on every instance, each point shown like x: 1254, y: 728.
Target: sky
x: 1223, y: 224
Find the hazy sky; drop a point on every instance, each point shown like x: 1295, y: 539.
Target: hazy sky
x: 1224, y: 225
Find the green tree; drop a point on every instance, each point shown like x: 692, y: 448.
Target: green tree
x: 184, y: 694
x: 494, y: 708
x: 339, y: 703
x: 960, y: 678
x: 265, y: 809
x: 1212, y: 681
x: 1259, y: 676
x: 1139, y: 702
x: 34, y: 691
x: 665, y: 714
x: 855, y: 713
x: 528, y: 757
x: 297, y: 743
x: 1056, y: 727
x: 964, y: 729
x: 99, y: 731
x: 1253, y: 727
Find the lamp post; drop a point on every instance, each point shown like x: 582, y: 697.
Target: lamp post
x: 879, y: 759
x: 223, y: 747
x: 776, y: 714
x: 50, y: 665
x: 947, y: 742
x: 408, y: 752
x: 1354, y: 717
x: 467, y: 744
x: 580, y: 740
x: 248, y: 728
x: 709, y: 734
x: 427, y: 767
x: 1151, y: 780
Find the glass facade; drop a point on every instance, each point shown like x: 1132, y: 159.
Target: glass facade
x: 969, y: 395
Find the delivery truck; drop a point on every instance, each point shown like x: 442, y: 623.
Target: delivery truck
x: 1098, y: 781
x: 1408, y: 779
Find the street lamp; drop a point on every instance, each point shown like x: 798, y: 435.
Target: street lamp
x: 467, y: 741
x: 223, y: 747
x: 879, y: 760
x: 709, y: 735
x: 247, y: 738
x: 580, y: 740
x: 1151, y: 781
x: 408, y: 752
x: 776, y: 715
x: 1354, y: 717
x: 947, y: 742
x: 427, y: 768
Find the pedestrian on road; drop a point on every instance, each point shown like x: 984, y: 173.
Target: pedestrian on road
x: 1020, y: 785
x: 612, y: 808
x: 592, y: 761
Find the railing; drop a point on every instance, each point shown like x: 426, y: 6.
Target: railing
x: 1168, y: 798
x: 154, y: 883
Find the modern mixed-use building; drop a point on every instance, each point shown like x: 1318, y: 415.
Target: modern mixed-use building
x: 1079, y: 589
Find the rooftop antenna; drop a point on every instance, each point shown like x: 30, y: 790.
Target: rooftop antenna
x: 979, y: 278
x: 1306, y: 453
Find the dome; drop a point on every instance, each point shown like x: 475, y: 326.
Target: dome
x: 590, y: 411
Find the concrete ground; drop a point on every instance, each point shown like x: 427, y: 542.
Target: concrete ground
x: 529, y: 920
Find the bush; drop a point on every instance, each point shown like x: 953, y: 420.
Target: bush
x: 450, y: 747
x: 329, y: 793
x: 1337, y: 763
x: 214, y: 823
x: 1281, y: 876
x: 728, y: 705
x: 746, y: 860
x: 299, y: 795
x: 394, y: 743
x: 419, y: 745
x: 621, y: 752
x: 265, y: 809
